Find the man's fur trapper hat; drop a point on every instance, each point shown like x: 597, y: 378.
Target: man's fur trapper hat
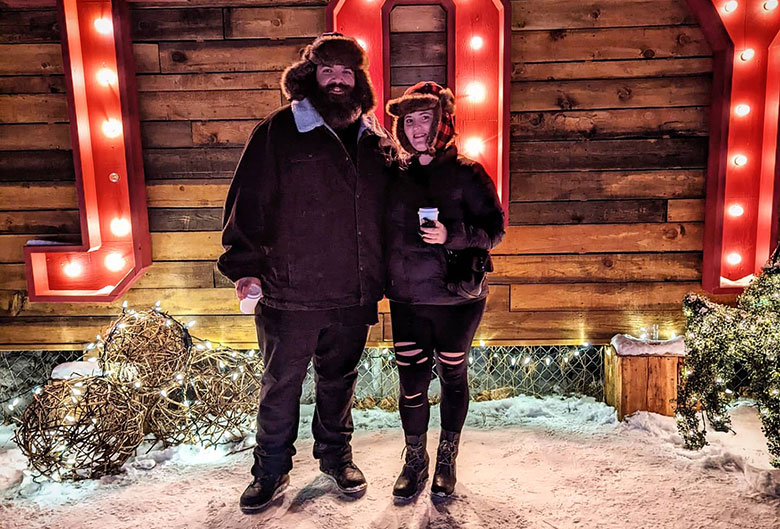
x: 329, y: 49
x: 423, y: 96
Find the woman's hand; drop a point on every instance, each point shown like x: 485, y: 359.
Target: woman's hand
x: 244, y: 284
x: 435, y: 235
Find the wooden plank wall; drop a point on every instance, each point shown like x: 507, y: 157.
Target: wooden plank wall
x: 609, y: 134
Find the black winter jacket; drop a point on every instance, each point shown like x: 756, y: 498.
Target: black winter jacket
x: 303, y: 219
x: 468, y: 207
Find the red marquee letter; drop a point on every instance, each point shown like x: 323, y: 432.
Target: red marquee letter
x: 105, y: 131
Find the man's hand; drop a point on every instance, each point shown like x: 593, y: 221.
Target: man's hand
x: 244, y: 284
x: 435, y: 235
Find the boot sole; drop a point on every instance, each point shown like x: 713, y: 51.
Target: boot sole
x: 260, y: 508
x: 350, y: 490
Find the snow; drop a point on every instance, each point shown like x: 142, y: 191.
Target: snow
x: 556, y: 462
x: 627, y: 345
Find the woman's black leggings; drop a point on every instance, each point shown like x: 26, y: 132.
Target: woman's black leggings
x: 422, y: 333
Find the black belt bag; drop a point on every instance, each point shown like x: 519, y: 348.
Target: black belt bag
x: 467, y: 272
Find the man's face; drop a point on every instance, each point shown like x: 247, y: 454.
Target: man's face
x: 337, y: 81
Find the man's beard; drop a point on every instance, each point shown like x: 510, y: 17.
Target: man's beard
x: 338, y: 110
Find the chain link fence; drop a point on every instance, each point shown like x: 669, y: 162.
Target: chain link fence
x: 494, y: 372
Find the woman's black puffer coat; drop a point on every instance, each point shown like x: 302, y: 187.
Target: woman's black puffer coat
x: 468, y: 207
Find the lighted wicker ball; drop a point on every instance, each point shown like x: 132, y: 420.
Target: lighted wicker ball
x: 81, y: 428
x: 226, y: 388
x: 146, y: 349
x: 169, y: 415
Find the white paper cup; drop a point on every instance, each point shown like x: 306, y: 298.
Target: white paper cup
x: 428, y: 214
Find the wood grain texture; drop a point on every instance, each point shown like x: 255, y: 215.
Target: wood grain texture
x: 274, y: 23
x: 566, y: 185
x: 610, y: 69
x: 587, y: 212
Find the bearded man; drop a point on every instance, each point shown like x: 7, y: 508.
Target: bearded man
x: 303, y: 222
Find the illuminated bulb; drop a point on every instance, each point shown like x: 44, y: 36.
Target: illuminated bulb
x: 477, y: 42
x: 742, y: 110
x: 730, y: 6
x: 734, y: 258
x: 740, y: 160
x: 476, y: 92
x: 735, y: 210
x: 585, y: 344
x: 72, y: 269
x: 104, y: 26
x: 474, y: 146
x: 112, y: 128
x: 527, y: 360
x: 115, y: 262
x: 120, y: 227
x: 747, y: 54
x: 362, y: 43
x: 770, y: 5
x: 106, y: 76
x: 482, y: 343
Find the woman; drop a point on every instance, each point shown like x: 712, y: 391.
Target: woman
x: 433, y: 320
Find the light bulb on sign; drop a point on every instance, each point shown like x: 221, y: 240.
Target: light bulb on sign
x: 106, y: 76
x: 731, y: 6
x: 474, y: 146
x: 104, y: 26
x: 476, y: 92
x: 747, y: 54
x: 362, y: 44
x: 770, y: 5
x: 735, y: 210
x: 740, y: 160
x: 734, y: 259
x: 112, y: 128
x: 120, y: 227
x: 477, y: 43
x: 742, y: 110
x: 72, y: 269
x: 114, y: 262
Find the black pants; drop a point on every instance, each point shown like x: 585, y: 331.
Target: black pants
x: 288, y: 346
x: 422, y: 333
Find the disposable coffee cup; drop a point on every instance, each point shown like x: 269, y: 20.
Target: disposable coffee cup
x: 248, y: 304
x: 428, y: 214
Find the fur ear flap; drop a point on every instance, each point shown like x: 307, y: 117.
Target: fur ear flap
x: 447, y: 100
x: 296, y: 80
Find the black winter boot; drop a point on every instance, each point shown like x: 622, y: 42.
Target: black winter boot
x: 262, y: 491
x: 415, y: 471
x: 347, y: 476
x: 444, y: 477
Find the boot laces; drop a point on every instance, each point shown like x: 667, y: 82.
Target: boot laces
x: 415, y: 455
x: 446, y: 454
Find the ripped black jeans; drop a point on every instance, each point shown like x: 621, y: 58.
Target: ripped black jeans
x: 423, y: 334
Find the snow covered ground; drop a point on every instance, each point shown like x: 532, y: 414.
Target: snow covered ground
x: 525, y: 463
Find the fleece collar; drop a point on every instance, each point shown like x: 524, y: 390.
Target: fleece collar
x: 307, y: 119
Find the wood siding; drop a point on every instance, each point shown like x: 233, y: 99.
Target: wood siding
x: 608, y: 154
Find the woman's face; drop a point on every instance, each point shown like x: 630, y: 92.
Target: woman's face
x: 417, y: 125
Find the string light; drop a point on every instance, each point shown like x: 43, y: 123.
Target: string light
x: 120, y: 227
x: 112, y: 128
x: 106, y: 76
x: 748, y: 54
x: 742, y: 110
x: 104, y: 26
x: 114, y: 262
x: 477, y: 42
